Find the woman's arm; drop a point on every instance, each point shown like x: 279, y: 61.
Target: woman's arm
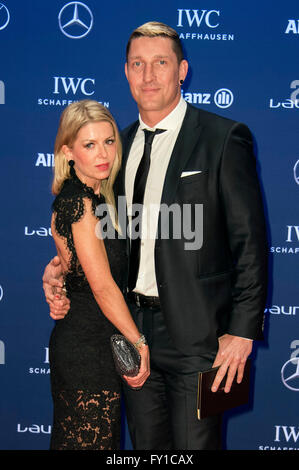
x: 92, y: 256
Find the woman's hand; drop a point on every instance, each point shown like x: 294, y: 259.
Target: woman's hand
x: 144, y: 372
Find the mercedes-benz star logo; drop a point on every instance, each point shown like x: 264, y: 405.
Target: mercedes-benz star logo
x: 4, y: 16
x: 75, y: 20
x: 1, y: 293
x: 296, y: 172
x: 290, y: 374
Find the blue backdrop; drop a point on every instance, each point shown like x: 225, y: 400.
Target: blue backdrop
x: 243, y: 65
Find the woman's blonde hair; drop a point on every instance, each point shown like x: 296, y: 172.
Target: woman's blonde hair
x: 75, y: 116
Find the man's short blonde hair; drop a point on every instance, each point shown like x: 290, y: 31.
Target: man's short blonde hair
x: 154, y: 29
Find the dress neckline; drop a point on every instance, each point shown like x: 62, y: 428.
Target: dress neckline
x: 82, y: 185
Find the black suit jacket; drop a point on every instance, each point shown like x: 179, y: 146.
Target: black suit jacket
x: 220, y: 287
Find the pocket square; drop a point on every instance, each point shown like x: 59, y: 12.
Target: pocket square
x: 189, y: 173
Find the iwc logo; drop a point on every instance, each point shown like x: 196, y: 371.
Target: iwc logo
x: 203, y: 25
x: 75, y: 88
x: 45, y: 369
x: 75, y: 20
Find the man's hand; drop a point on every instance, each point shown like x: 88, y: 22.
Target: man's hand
x: 53, y: 289
x: 232, y: 355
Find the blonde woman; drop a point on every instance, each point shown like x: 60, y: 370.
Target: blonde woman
x: 85, y: 385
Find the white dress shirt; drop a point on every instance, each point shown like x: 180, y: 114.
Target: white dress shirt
x: 162, y: 148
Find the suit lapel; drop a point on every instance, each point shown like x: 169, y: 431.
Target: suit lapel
x: 186, y: 141
x: 184, y: 146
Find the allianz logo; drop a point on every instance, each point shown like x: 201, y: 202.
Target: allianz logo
x: 223, y: 98
x: 292, y: 27
x: 45, y: 160
x: 282, y: 310
x: 34, y: 428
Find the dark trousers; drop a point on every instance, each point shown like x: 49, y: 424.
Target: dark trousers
x: 162, y: 415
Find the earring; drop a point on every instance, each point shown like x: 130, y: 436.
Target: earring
x: 72, y: 169
x: 181, y: 82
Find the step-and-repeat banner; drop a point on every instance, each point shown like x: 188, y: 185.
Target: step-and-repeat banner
x: 243, y: 65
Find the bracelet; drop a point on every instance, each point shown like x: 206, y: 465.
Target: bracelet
x: 141, y: 342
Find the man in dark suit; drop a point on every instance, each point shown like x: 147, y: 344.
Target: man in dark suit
x: 198, y: 305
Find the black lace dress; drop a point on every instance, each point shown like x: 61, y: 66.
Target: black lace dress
x: 84, y: 383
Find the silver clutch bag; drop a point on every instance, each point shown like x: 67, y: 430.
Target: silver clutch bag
x: 126, y: 357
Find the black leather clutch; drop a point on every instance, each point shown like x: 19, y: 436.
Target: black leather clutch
x: 210, y: 403
x: 126, y: 356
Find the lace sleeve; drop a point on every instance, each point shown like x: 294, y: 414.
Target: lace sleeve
x: 68, y: 210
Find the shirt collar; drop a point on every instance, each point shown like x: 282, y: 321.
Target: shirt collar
x: 171, y: 121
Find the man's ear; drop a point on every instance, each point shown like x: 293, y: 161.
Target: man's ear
x: 183, y: 69
x: 126, y: 70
